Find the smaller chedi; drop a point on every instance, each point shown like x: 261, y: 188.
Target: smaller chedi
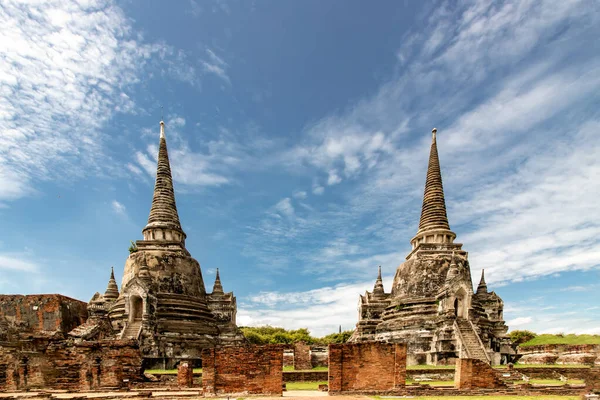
x: 163, y: 302
x: 432, y: 306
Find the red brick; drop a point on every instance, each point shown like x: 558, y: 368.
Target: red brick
x: 243, y: 370
x: 366, y: 367
x: 475, y: 374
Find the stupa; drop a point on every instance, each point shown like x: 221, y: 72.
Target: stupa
x: 432, y: 306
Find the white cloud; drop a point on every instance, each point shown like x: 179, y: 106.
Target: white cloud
x: 318, y: 189
x: 118, y: 207
x: 516, y: 154
x: 65, y: 68
x: 300, y: 194
x: 285, y: 208
x: 519, y: 321
x: 333, y: 178
x: 320, y: 310
x: 17, y: 262
x: 216, y: 66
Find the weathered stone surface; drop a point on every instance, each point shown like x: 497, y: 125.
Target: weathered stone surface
x: 473, y: 374
x: 56, y: 363
x: 432, y: 306
x: 243, y: 370
x: 366, y: 367
x: 39, y: 313
x: 560, y: 354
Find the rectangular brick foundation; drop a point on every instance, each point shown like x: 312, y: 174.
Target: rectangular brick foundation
x: 367, y: 367
x: 243, y: 370
x: 475, y: 374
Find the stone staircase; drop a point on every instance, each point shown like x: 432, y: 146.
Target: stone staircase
x: 132, y: 330
x: 470, y: 340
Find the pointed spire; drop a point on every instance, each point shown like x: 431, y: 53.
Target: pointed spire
x: 482, y: 287
x: 340, y: 329
x: 163, y: 222
x: 378, y: 288
x: 112, y: 290
x: 433, y: 213
x: 217, y: 287
x: 434, y: 219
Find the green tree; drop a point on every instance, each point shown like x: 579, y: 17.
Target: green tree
x: 520, y: 337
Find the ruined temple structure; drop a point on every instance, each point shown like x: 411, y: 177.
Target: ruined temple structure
x: 432, y: 306
x: 163, y: 302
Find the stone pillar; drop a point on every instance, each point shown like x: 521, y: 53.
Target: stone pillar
x: 185, y: 374
x: 302, y: 357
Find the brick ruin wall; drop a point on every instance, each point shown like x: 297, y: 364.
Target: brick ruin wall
x: 319, y: 356
x: 586, y: 354
x: 302, y: 357
x: 185, y: 374
x: 59, y: 364
x: 248, y: 369
x: 476, y: 374
x: 366, y: 367
x: 39, y: 314
x: 592, y: 380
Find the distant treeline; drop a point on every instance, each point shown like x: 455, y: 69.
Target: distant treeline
x: 528, y: 338
x: 273, y: 335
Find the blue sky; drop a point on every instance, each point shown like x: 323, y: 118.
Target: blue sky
x: 299, y: 133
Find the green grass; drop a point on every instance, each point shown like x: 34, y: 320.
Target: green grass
x: 432, y: 383
x: 291, y: 368
x: 545, y: 397
x: 304, y: 385
x: 168, y: 371
x: 430, y: 367
x: 562, y: 339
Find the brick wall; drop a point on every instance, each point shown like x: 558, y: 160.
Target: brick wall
x: 305, y: 376
x: 185, y: 374
x: 592, y: 380
x: 302, y: 357
x: 475, y: 374
x: 58, y: 364
x: 42, y: 313
x: 243, y: 370
x: 366, y: 367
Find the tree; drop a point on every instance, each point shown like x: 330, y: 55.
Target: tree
x: 520, y: 337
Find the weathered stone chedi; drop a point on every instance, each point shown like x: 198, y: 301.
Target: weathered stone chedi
x: 432, y: 306
x: 163, y: 300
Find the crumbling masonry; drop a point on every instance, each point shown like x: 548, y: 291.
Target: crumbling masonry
x: 432, y: 306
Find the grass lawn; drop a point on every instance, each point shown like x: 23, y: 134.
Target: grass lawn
x: 291, y: 368
x: 562, y: 339
x: 432, y: 383
x: 168, y: 371
x: 430, y: 367
x: 488, y: 397
x: 304, y: 385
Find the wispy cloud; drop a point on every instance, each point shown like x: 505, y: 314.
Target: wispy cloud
x: 118, y: 207
x: 321, y: 310
x: 66, y: 69
x: 516, y: 153
x: 216, y: 65
x: 17, y: 262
